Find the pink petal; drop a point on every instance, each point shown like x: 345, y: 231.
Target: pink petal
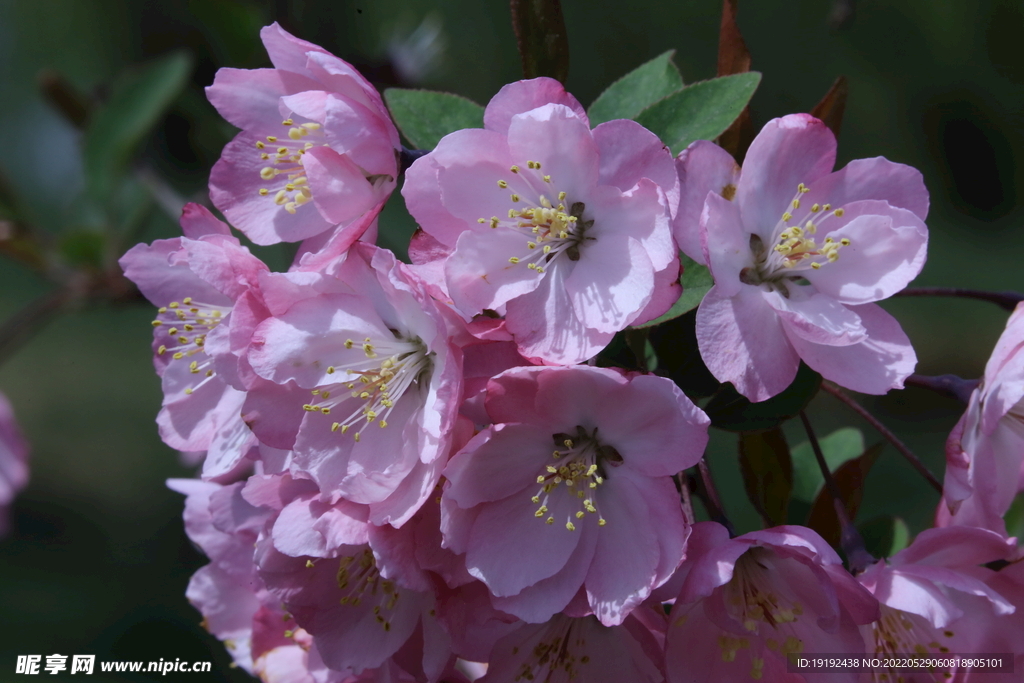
x: 250, y: 98
x: 703, y: 167
x: 953, y: 547
x: 522, y: 96
x: 545, y: 325
x: 788, y: 151
x: 742, y: 341
x: 611, y: 283
x: 667, y: 291
x: 235, y: 183
x: 560, y: 140
x: 630, y: 152
x: 887, y: 250
x: 628, y: 552
x: 479, y: 275
x: 356, y: 130
x: 340, y: 190
x: 816, y: 317
x: 510, y: 548
x: 874, y: 366
x: 197, y: 221
x: 877, y: 178
x: 286, y: 51
x: 501, y: 461
x: 725, y: 243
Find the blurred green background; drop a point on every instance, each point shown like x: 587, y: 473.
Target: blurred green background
x: 97, y: 561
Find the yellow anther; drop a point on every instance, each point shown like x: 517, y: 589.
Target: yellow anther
x: 601, y: 521
x: 839, y: 213
x: 156, y: 323
x: 827, y: 207
x: 549, y: 520
x: 533, y: 164
x: 188, y: 391
x: 547, y: 179
x: 502, y: 184
x: 268, y: 173
x: 494, y: 221
x: 259, y: 144
x: 296, y: 133
x: 515, y: 198
x: 173, y: 304
x: 845, y: 242
x: 178, y: 356
x: 570, y: 526
x: 356, y: 436
x: 514, y: 168
x: 540, y: 479
x: 816, y: 265
x: 579, y: 515
x: 786, y: 216
x: 531, y: 245
x: 515, y: 259
x: 271, y: 138
x: 162, y: 350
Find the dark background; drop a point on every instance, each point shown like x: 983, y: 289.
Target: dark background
x: 97, y: 561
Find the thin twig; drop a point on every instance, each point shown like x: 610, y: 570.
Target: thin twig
x: 1006, y: 300
x: 947, y: 385
x: 708, y: 494
x: 914, y: 461
x: 21, y: 326
x: 850, y: 539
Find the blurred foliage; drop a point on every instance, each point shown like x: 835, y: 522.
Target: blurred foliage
x: 97, y: 561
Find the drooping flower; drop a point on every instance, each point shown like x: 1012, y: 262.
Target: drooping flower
x: 13, y: 460
x: 985, y: 452
x: 749, y: 602
x: 195, y: 281
x: 357, y: 375
x: 799, y: 255
x: 577, y: 649
x: 564, y: 229
x: 935, y: 600
x: 571, y: 488
x: 317, y: 148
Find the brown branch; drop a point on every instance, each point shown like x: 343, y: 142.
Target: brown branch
x: 914, y: 461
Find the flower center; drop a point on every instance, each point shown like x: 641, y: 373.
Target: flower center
x: 285, y: 158
x: 752, y: 599
x: 376, y: 376
x: 359, y: 580
x: 899, y: 632
x: 550, y: 229
x: 581, y: 468
x: 186, y: 324
x: 557, y: 653
x: 795, y: 248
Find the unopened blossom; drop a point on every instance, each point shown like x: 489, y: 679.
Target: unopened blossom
x: 564, y: 229
x: 357, y: 376
x: 195, y: 281
x: 571, y: 489
x: 317, y: 147
x: 935, y: 600
x: 13, y: 460
x: 577, y: 649
x: 799, y: 255
x: 985, y: 452
x: 749, y: 602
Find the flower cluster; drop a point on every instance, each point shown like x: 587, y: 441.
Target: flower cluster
x: 413, y: 468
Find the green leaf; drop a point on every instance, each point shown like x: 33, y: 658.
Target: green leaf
x: 701, y: 111
x: 637, y: 90
x: 425, y: 116
x: 838, y: 447
x: 696, y: 281
x: 884, y: 536
x: 849, y: 478
x: 541, y: 38
x: 731, y: 411
x: 137, y: 103
x: 767, y: 473
x: 1014, y: 517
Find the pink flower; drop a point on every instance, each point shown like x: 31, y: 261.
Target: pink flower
x: 13, y: 460
x: 935, y: 600
x: 577, y: 648
x: 985, y: 452
x: 799, y: 254
x: 356, y: 375
x: 317, y: 148
x: 195, y: 281
x: 571, y: 489
x: 564, y: 228
x: 748, y: 602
